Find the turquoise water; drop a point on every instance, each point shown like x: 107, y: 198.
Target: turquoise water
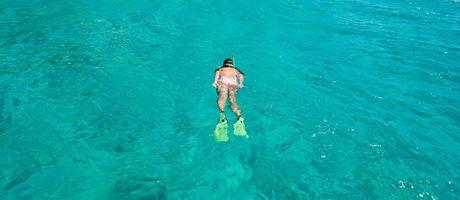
x: 112, y: 99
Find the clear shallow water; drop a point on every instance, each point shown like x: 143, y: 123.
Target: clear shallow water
x: 343, y: 100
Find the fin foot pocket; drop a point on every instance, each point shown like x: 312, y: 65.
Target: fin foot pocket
x: 239, y: 129
x: 220, y: 132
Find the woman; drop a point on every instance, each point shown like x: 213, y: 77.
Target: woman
x: 228, y: 80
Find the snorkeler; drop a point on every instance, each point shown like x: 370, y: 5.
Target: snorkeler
x: 227, y: 84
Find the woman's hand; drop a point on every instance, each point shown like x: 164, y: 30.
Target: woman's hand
x: 241, y: 85
x: 214, y: 84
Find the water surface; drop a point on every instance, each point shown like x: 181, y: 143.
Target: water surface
x: 343, y: 99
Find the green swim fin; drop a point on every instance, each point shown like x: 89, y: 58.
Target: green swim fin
x: 239, y: 129
x: 220, y: 132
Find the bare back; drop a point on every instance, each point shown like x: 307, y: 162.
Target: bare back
x: 228, y: 75
x: 228, y: 72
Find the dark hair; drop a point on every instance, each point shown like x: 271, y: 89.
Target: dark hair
x: 228, y: 61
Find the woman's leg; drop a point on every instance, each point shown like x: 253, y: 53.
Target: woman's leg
x: 223, y: 90
x: 233, y: 92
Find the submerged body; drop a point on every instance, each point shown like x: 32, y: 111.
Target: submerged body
x: 228, y: 80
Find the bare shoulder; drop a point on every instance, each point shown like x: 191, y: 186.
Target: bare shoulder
x: 235, y: 70
x: 231, y: 71
x: 238, y: 71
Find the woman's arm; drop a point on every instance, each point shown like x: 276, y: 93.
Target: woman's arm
x: 241, y: 77
x: 216, y: 78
